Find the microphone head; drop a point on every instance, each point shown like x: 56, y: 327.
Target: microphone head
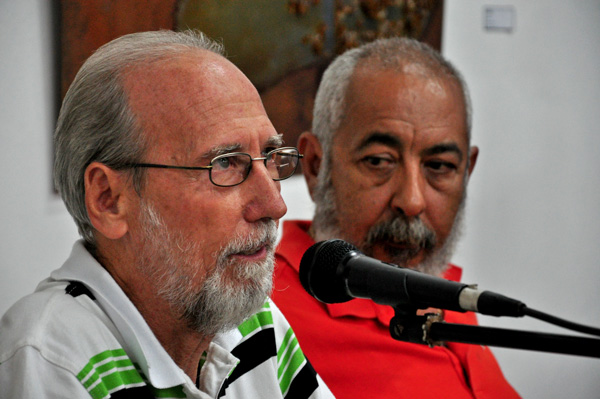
x: 320, y: 271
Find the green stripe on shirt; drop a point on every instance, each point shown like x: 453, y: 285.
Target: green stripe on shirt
x: 258, y: 321
x: 107, y: 371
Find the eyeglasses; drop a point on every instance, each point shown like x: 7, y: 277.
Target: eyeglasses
x: 231, y: 169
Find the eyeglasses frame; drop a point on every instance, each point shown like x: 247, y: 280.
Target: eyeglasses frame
x: 209, y: 167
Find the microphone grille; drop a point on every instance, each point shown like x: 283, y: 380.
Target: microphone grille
x: 319, y: 273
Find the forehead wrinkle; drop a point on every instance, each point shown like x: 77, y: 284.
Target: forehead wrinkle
x: 197, y: 83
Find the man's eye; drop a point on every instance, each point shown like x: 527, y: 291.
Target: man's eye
x: 268, y: 150
x: 441, y: 166
x: 226, y: 163
x: 378, y: 162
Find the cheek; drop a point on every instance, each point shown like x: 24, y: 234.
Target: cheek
x: 359, y: 207
x: 204, y: 218
x: 441, y: 212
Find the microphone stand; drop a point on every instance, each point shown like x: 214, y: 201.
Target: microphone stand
x: 431, y: 330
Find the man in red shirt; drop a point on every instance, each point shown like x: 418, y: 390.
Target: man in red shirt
x: 387, y: 165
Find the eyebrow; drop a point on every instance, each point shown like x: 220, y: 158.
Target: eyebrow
x: 380, y: 138
x: 444, y: 148
x: 221, y: 149
x: 273, y: 141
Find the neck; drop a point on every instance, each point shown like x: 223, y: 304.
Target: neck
x: 183, y: 344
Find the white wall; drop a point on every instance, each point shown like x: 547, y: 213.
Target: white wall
x: 533, y: 216
x: 532, y: 221
x: 36, y: 233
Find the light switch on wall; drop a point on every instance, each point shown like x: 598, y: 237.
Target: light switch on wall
x: 499, y: 18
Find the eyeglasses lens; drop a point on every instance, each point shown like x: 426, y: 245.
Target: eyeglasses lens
x: 282, y: 164
x: 230, y: 169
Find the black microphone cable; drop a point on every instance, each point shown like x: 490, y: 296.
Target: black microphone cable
x: 548, y: 318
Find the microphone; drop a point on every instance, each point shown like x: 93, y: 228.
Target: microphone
x: 336, y: 271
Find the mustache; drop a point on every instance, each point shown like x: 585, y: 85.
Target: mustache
x: 402, y: 231
x: 264, y: 235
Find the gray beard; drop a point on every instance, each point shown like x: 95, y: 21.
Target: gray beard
x: 230, y: 291
x: 326, y: 226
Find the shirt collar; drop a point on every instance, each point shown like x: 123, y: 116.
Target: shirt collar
x: 139, y: 340
x: 294, y: 243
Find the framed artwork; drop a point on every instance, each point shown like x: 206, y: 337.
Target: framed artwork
x: 283, y: 46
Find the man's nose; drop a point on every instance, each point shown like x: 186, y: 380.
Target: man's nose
x: 409, y: 197
x: 265, y: 201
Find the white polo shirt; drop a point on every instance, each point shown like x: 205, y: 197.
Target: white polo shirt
x: 79, y: 336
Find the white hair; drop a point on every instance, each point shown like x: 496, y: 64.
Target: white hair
x: 95, y: 122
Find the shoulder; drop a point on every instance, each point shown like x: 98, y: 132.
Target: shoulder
x: 65, y: 330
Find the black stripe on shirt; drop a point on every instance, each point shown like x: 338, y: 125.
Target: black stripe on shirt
x: 137, y: 392
x: 304, y: 384
x: 75, y: 288
x: 251, y: 353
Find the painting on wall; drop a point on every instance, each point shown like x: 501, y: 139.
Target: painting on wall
x: 283, y: 46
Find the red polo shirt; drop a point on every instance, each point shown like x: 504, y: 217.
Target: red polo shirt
x: 350, y: 346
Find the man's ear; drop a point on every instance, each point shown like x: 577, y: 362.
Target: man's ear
x: 310, y: 147
x: 106, y: 192
x: 473, y: 154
